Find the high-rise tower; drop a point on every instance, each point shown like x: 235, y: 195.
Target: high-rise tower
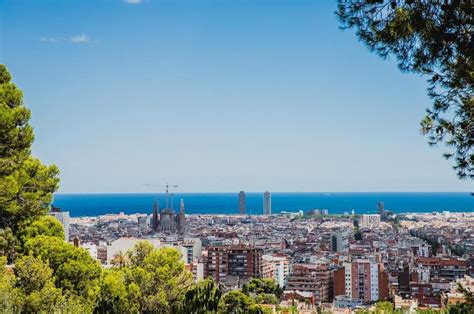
x: 155, y: 222
x: 181, y: 218
x: 242, y: 207
x: 381, y: 208
x: 267, y: 203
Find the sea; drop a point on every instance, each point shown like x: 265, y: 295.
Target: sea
x: 227, y: 203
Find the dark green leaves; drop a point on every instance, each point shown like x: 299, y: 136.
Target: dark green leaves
x: 435, y: 40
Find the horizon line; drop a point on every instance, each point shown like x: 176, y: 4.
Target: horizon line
x: 261, y: 192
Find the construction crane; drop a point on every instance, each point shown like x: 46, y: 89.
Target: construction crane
x: 167, y: 186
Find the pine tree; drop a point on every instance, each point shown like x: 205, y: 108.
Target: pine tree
x: 26, y: 185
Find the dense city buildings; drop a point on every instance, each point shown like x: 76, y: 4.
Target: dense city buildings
x: 370, y: 221
x: 276, y: 266
x: 412, y: 260
x: 340, y: 241
x: 314, y: 280
x: 234, y: 264
x: 365, y: 280
x: 267, y: 203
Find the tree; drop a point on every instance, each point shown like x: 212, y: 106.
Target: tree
x: 156, y: 279
x: 9, y: 244
x: 114, y: 294
x: 468, y: 305
x: 259, y: 309
x: 120, y: 259
x: 141, y: 250
x: 235, y: 302
x: 26, y: 185
x: 265, y: 285
x: 74, y: 270
x: 384, y: 307
x: 34, y: 281
x: 202, y: 298
x: 166, y: 279
x: 266, y: 298
x: 9, y: 299
x: 435, y: 40
x: 44, y: 225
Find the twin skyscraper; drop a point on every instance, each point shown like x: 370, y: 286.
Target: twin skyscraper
x: 267, y: 203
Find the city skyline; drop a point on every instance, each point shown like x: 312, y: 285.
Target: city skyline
x: 225, y: 157
x: 201, y: 91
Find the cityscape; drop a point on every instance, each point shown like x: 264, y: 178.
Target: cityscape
x: 236, y: 157
x: 334, y: 263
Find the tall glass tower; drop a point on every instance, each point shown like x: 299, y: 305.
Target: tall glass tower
x: 242, y: 207
x: 267, y: 203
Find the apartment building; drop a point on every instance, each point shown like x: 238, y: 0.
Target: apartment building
x: 316, y: 279
x: 278, y: 265
x: 365, y: 280
x: 239, y: 261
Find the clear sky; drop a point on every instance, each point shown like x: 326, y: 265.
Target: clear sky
x: 216, y: 96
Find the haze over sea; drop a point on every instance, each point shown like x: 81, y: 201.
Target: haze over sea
x: 227, y: 203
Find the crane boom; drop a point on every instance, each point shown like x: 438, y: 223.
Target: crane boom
x: 167, y: 186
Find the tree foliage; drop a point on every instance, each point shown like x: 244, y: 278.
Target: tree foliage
x: 35, y: 286
x: 202, y: 298
x: 115, y: 296
x: 44, y: 225
x: 9, y: 300
x: 263, y: 291
x: 26, y: 185
x: 435, y: 40
x: 235, y: 302
x: 74, y: 270
x: 162, y: 280
x: 120, y: 259
x: 147, y: 279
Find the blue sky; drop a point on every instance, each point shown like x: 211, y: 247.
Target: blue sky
x: 216, y: 96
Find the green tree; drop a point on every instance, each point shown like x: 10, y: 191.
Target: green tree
x: 120, y: 259
x: 202, y: 298
x: 114, y: 294
x: 75, y: 271
x: 9, y: 244
x: 460, y: 308
x: 235, y: 302
x: 259, y: 309
x: 141, y: 250
x: 10, y: 301
x: 266, y: 298
x: 156, y: 279
x: 35, y: 285
x: 465, y: 307
x: 384, y: 307
x: 166, y: 277
x: 44, y: 225
x: 26, y: 185
x: 265, y: 285
x: 435, y: 40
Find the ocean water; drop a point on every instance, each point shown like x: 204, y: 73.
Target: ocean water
x: 227, y: 203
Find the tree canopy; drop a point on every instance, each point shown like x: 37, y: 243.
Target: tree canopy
x: 202, y: 298
x: 26, y: 185
x: 435, y: 40
x: 235, y: 302
x: 74, y: 270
